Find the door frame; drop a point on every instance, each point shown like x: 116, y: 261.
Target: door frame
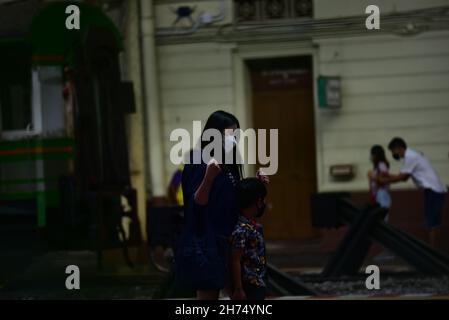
x: 243, y: 92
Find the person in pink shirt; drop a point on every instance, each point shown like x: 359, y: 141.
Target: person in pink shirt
x: 379, y: 191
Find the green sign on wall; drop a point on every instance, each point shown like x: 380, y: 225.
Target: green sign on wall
x: 329, y: 92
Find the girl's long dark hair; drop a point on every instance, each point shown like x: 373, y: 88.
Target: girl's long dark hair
x: 221, y: 120
x: 378, y: 154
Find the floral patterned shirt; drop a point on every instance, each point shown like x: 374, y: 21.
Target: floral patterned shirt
x: 248, y: 236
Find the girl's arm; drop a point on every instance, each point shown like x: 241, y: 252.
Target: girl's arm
x: 201, y: 196
x: 370, y: 177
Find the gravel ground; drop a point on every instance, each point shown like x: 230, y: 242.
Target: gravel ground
x: 391, y: 285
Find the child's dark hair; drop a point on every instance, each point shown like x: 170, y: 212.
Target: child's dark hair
x: 248, y: 191
x: 379, y: 156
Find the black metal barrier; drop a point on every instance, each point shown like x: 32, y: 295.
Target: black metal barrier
x: 367, y: 226
x: 284, y: 284
x: 324, y: 209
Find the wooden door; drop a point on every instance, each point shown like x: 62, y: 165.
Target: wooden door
x: 283, y: 99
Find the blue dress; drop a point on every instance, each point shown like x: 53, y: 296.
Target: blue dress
x: 221, y: 209
x: 218, y: 217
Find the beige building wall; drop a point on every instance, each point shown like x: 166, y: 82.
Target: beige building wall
x: 345, y: 8
x: 322, y: 8
x: 195, y: 80
x: 392, y: 86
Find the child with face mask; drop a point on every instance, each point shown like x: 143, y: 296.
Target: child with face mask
x: 248, y: 261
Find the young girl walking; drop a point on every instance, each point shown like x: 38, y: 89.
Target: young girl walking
x: 379, y: 192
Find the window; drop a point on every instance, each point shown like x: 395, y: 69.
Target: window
x: 15, y: 106
x: 15, y: 87
x: 266, y: 10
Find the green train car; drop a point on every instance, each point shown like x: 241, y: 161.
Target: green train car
x: 63, y: 146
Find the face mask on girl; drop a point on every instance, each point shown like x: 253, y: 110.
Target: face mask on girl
x: 229, y: 143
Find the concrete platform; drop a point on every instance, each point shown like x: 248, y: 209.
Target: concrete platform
x: 45, y: 279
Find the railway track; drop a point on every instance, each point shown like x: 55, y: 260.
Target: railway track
x: 394, y: 284
x: 292, y: 286
x: 284, y: 284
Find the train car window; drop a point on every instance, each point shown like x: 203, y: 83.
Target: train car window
x: 15, y: 106
x: 15, y: 88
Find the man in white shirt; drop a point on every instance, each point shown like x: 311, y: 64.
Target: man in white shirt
x: 417, y: 167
